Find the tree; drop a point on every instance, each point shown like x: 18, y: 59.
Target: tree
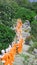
x: 6, y: 36
x: 6, y: 14
x: 34, y: 30
x: 25, y: 14
x: 22, y: 2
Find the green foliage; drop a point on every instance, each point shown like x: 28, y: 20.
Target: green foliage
x: 6, y: 12
x: 32, y: 6
x: 9, y: 11
x: 25, y: 14
x: 6, y: 15
x: 22, y: 2
x: 24, y: 56
x: 12, y: 10
x: 34, y: 30
x: 6, y: 36
x: 34, y: 45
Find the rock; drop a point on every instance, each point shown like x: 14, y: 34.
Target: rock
x: 35, y: 17
x: 18, y: 60
x: 26, y: 26
x: 35, y: 62
x: 35, y: 50
x: 3, y: 51
x: 31, y: 42
x: 25, y: 48
x: 1, y: 63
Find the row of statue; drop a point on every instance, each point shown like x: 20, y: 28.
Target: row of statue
x: 22, y: 32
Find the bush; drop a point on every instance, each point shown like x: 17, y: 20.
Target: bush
x: 34, y: 45
x: 6, y: 36
x: 25, y: 14
x: 6, y: 14
x: 34, y: 30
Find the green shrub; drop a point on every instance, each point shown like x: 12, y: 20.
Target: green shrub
x: 34, y: 30
x: 25, y: 14
x: 6, y: 36
x: 34, y: 45
x: 6, y: 14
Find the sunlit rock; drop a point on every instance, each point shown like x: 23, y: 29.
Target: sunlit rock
x: 35, y: 17
x: 2, y: 51
x: 35, y: 50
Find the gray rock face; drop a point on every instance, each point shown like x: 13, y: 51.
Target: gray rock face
x: 1, y: 63
x: 18, y: 60
x: 25, y: 48
x: 35, y: 50
x: 35, y: 17
x: 22, y: 61
x: 31, y: 42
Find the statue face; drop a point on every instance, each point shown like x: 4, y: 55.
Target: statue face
x: 26, y: 29
x: 26, y: 26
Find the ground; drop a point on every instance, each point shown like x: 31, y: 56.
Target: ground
x: 23, y: 60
